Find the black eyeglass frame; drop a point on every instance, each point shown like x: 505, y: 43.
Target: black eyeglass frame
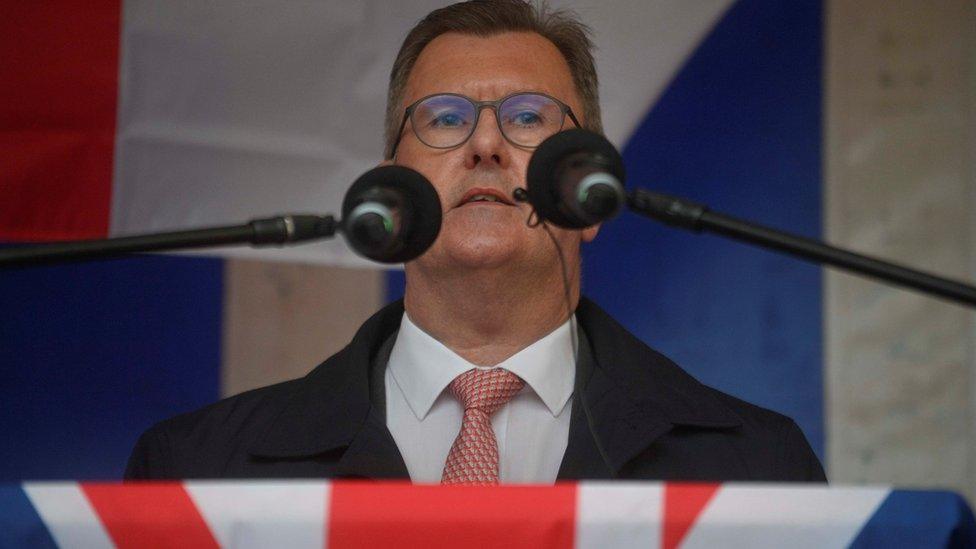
x: 479, y: 106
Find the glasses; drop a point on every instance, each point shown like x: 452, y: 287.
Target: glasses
x: 447, y: 120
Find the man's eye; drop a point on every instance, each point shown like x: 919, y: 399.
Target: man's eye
x: 526, y: 118
x: 447, y: 120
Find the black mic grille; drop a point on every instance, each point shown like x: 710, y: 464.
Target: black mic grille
x: 549, y: 168
x: 391, y: 214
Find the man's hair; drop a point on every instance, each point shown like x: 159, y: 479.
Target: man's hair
x: 487, y: 18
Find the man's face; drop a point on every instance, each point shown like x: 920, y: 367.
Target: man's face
x: 485, y: 234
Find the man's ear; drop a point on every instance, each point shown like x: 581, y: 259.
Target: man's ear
x: 589, y: 233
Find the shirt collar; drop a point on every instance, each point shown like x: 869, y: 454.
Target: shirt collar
x: 423, y: 367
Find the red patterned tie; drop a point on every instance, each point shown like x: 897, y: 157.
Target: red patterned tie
x: 473, y: 458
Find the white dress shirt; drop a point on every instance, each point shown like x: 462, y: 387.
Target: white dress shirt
x: 532, y: 429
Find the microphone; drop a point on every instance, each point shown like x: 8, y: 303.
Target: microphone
x: 391, y: 214
x: 575, y: 179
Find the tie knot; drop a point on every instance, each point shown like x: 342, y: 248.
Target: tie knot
x: 486, y: 390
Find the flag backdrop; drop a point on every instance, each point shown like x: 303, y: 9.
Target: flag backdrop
x: 146, y: 116
x: 149, y: 116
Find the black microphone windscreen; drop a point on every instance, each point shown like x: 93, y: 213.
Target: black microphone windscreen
x: 542, y: 176
x: 413, y: 199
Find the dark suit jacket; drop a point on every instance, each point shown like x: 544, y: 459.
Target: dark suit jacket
x: 635, y: 415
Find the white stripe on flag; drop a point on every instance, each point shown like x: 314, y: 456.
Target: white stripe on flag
x: 264, y: 514
x: 68, y: 515
x: 619, y: 515
x: 784, y: 516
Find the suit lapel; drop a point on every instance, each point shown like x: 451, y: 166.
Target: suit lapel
x: 372, y: 453
x: 608, y: 427
x: 585, y: 456
x: 332, y: 410
x: 627, y: 397
x: 583, y: 459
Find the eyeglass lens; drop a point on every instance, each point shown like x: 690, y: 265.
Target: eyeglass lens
x: 526, y: 119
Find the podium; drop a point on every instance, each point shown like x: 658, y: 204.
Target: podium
x: 344, y: 514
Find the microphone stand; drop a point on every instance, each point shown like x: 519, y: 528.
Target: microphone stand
x: 258, y: 232
x: 686, y: 214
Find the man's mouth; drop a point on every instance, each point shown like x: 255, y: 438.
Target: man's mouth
x: 482, y: 195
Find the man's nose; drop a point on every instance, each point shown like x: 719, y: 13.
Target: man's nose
x: 487, y: 144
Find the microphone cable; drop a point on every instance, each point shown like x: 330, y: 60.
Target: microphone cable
x: 534, y: 221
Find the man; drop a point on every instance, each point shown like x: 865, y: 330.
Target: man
x: 492, y: 369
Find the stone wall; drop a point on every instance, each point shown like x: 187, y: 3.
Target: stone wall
x: 900, y: 157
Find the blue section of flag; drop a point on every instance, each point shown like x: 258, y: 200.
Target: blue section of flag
x: 20, y: 525
x: 941, y: 518
x: 739, y: 129
x: 92, y: 354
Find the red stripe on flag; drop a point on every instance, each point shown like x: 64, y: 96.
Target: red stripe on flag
x: 683, y: 503
x: 149, y: 515
x: 60, y: 73
x: 403, y: 516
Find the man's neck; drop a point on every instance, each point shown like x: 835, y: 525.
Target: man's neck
x: 486, y: 317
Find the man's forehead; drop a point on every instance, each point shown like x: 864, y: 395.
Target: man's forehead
x: 490, y: 67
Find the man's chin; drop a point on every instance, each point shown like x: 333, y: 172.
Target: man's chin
x: 474, y: 254
x: 483, y: 256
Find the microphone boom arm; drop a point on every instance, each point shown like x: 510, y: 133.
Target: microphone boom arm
x: 258, y: 232
x: 689, y: 215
